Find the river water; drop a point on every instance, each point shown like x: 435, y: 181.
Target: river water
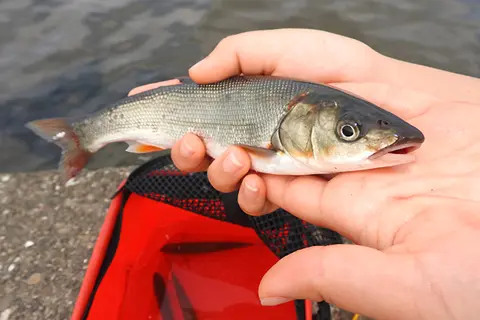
x: 68, y: 57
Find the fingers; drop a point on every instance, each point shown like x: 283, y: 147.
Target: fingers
x: 262, y: 194
x: 227, y: 170
x: 355, y: 278
x: 252, y: 197
x: 298, y: 53
x: 352, y: 204
x: 303, y: 196
x: 189, y: 154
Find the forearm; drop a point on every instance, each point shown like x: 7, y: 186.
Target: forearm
x: 439, y: 83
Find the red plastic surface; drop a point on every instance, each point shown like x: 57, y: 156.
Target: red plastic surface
x: 97, y: 256
x: 215, y: 285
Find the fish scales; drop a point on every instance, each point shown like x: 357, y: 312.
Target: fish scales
x: 239, y: 111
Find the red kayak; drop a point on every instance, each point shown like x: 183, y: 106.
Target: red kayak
x: 172, y: 247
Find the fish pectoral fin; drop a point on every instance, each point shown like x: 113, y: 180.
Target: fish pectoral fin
x: 137, y: 147
x: 258, y: 151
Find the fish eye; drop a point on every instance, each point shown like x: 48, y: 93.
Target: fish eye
x: 348, y: 131
x: 383, y: 123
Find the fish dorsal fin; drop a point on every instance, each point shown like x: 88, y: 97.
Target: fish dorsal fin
x: 185, y: 80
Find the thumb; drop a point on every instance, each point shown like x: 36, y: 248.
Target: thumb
x: 354, y: 278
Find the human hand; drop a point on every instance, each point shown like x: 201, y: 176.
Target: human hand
x: 417, y: 225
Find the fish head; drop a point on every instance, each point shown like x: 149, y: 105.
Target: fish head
x: 342, y: 132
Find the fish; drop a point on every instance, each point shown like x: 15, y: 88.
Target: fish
x: 287, y: 126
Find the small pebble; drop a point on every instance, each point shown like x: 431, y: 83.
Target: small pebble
x: 11, y: 267
x: 5, y: 314
x: 34, y: 279
x: 28, y: 244
x: 17, y: 259
x: 5, y: 178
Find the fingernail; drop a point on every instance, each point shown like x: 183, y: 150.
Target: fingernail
x: 231, y: 163
x: 186, y: 150
x: 251, y: 189
x: 273, y: 301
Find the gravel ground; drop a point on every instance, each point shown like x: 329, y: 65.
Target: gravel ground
x: 47, y: 233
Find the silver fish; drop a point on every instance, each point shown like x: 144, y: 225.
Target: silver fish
x: 288, y: 126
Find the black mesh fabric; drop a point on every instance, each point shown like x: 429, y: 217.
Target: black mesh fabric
x: 282, y: 232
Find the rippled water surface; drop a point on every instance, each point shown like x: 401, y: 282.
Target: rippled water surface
x: 64, y: 58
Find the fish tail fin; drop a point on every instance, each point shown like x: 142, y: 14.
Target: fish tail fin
x: 59, y: 131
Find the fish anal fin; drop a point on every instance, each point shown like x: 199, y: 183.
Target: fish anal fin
x: 258, y: 151
x: 138, y: 147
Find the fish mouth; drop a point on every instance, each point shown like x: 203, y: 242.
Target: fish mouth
x: 401, y: 146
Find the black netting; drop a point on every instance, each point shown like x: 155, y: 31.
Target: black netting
x: 282, y: 232
x: 160, y: 180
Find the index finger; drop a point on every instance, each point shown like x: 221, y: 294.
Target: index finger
x: 319, y: 56
x: 310, y: 55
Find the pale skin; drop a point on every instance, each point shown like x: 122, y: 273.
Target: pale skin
x: 416, y: 227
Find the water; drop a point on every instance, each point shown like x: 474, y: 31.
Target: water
x: 64, y: 58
